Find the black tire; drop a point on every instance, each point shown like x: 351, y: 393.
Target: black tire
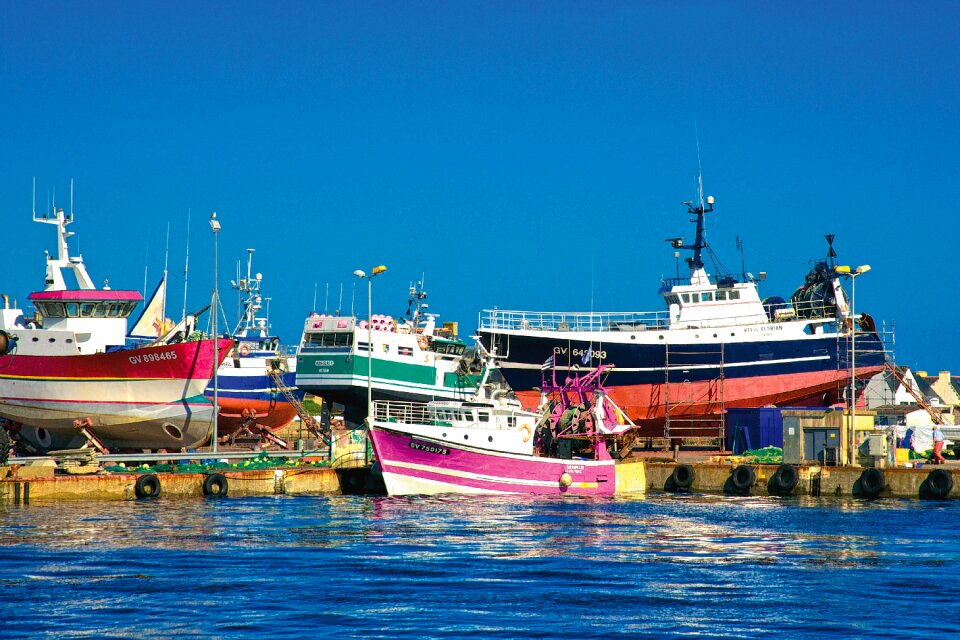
x: 215, y: 485
x: 871, y: 483
x: 784, y: 480
x: 682, y: 476
x: 938, y: 485
x: 147, y: 487
x: 743, y: 477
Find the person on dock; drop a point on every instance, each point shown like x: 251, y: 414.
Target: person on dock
x: 937, y: 445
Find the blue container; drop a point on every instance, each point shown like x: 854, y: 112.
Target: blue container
x: 754, y: 429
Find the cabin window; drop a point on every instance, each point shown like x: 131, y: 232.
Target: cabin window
x: 734, y: 295
x: 685, y: 296
x: 483, y: 416
x: 328, y: 340
x: 721, y: 295
x: 706, y: 297
x: 72, y: 309
x: 52, y: 309
x: 511, y: 421
x: 695, y: 297
x: 88, y: 309
x: 113, y: 310
x: 404, y: 351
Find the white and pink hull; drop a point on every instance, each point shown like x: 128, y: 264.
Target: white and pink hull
x: 416, y: 465
x: 145, y: 398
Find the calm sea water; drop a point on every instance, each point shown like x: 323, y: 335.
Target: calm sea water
x: 370, y: 567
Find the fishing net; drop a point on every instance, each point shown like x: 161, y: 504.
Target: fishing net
x: 767, y: 455
x: 262, y: 461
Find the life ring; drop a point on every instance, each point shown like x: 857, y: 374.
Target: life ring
x: 937, y: 485
x: 215, y: 485
x: 871, y: 483
x: 681, y: 479
x: 424, y: 342
x: 742, y: 478
x: 244, y: 350
x: 147, y: 486
x: 527, y: 433
x: 783, y: 481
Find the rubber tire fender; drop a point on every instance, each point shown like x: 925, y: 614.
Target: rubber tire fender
x: 683, y: 476
x: 871, y: 482
x: 743, y: 476
x: 784, y: 480
x: 939, y: 483
x: 215, y: 485
x: 147, y: 487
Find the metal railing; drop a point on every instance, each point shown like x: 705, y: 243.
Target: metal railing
x: 574, y: 321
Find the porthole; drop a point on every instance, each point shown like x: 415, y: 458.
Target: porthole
x: 52, y: 339
x: 661, y: 337
x: 36, y: 339
x: 466, y: 436
x: 714, y: 335
x: 633, y: 337
x: 69, y: 340
x: 444, y: 435
x: 489, y: 438
x: 696, y: 335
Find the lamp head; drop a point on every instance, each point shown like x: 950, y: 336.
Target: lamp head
x: 214, y: 223
x: 844, y: 269
x: 863, y: 268
x: 378, y: 270
x: 359, y: 273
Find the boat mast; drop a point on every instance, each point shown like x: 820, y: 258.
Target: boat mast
x: 186, y: 267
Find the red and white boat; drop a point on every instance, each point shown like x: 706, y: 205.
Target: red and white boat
x: 493, y: 446
x: 70, y: 370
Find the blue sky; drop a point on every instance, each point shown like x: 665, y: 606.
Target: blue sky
x: 530, y: 155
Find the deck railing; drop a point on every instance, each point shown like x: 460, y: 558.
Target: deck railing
x: 499, y: 319
x: 573, y: 321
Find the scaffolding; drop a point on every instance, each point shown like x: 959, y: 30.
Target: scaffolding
x: 694, y: 412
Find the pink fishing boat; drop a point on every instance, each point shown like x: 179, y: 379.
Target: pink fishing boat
x: 490, y: 445
x: 68, y: 376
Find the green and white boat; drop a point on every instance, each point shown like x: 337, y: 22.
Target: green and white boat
x: 414, y: 359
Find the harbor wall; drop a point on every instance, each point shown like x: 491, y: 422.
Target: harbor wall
x: 812, y: 480
x: 33, y: 484
x: 40, y: 484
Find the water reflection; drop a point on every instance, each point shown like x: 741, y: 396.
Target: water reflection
x: 450, y: 566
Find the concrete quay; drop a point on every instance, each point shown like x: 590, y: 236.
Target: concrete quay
x: 928, y: 482
x: 40, y: 484
x: 36, y: 484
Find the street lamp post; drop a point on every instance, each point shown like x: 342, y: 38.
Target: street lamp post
x: 215, y: 227
x: 361, y: 274
x: 852, y: 274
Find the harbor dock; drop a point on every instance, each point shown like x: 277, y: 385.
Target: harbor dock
x: 23, y: 484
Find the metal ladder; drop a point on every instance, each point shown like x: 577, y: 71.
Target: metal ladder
x: 308, y: 420
x: 935, y: 414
